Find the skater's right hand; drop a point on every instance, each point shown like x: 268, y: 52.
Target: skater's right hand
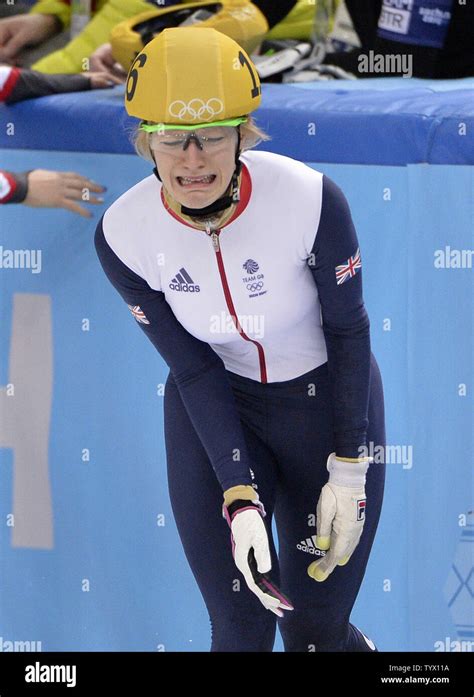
x: 251, y: 551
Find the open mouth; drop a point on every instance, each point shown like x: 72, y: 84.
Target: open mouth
x: 196, y: 182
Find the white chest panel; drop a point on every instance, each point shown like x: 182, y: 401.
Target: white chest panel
x: 262, y: 275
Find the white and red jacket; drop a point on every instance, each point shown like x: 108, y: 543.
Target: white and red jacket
x: 272, y: 295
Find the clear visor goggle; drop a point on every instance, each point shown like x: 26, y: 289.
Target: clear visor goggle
x: 209, y: 136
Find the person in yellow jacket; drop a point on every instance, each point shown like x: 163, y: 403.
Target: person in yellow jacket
x: 47, y: 17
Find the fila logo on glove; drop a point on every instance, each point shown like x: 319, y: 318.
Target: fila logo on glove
x: 361, y: 509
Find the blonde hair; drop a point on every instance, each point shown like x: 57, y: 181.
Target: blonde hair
x: 251, y: 135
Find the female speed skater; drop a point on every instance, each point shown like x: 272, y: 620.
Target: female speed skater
x: 244, y: 270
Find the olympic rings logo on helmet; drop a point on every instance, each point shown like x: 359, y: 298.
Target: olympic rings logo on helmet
x: 252, y: 287
x: 196, y: 109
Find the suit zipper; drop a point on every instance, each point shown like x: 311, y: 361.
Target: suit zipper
x: 214, y: 235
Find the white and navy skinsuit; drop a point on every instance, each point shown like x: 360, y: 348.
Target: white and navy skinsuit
x: 264, y: 329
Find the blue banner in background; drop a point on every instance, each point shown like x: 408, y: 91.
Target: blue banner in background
x: 419, y: 22
x: 90, y: 555
x: 387, y: 121
x: 90, y: 558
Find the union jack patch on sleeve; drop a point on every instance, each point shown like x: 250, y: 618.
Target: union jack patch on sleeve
x: 349, y: 268
x: 138, y: 313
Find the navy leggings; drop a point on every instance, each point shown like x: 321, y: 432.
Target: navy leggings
x: 289, y: 435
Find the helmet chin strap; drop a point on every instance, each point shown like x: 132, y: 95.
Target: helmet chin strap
x: 231, y: 196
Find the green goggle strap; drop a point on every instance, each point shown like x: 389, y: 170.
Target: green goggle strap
x: 152, y: 128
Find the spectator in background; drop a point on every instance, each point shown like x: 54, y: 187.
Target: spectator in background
x: 41, y: 187
x: 275, y: 13
x: 438, y: 37
x: 48, y: 17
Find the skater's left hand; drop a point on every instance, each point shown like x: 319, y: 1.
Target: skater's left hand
x: 340, y: 514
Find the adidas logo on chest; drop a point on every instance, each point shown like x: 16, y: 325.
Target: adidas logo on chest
x: 182, y: 282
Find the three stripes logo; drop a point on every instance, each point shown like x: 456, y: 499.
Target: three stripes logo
x: 183, y: 282
x: 309, y: 545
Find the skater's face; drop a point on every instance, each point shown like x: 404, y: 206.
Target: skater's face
x: 195, y: 176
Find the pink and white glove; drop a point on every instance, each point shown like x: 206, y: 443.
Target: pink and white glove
x: 251, y: 552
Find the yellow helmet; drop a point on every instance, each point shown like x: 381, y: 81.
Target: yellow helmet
x: 190, y: 77
x: 240, y: 19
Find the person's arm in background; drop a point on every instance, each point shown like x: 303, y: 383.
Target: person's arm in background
x: 13, y: 186
x: 17, y: 84
x: 22, y: 30
x: 42, y: 188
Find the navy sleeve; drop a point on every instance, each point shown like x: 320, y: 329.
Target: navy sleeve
x: 336, y: 269
x: 198, y: 371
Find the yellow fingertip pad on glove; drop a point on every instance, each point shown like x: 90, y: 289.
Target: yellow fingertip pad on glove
x: 314, y: 571
x: 343, y: 561
x: 323, y: 542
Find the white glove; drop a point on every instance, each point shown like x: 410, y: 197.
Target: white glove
x: 340, y: 514
x: 251, y: 552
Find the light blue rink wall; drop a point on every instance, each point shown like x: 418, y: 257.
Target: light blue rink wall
x: 95, y: 561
